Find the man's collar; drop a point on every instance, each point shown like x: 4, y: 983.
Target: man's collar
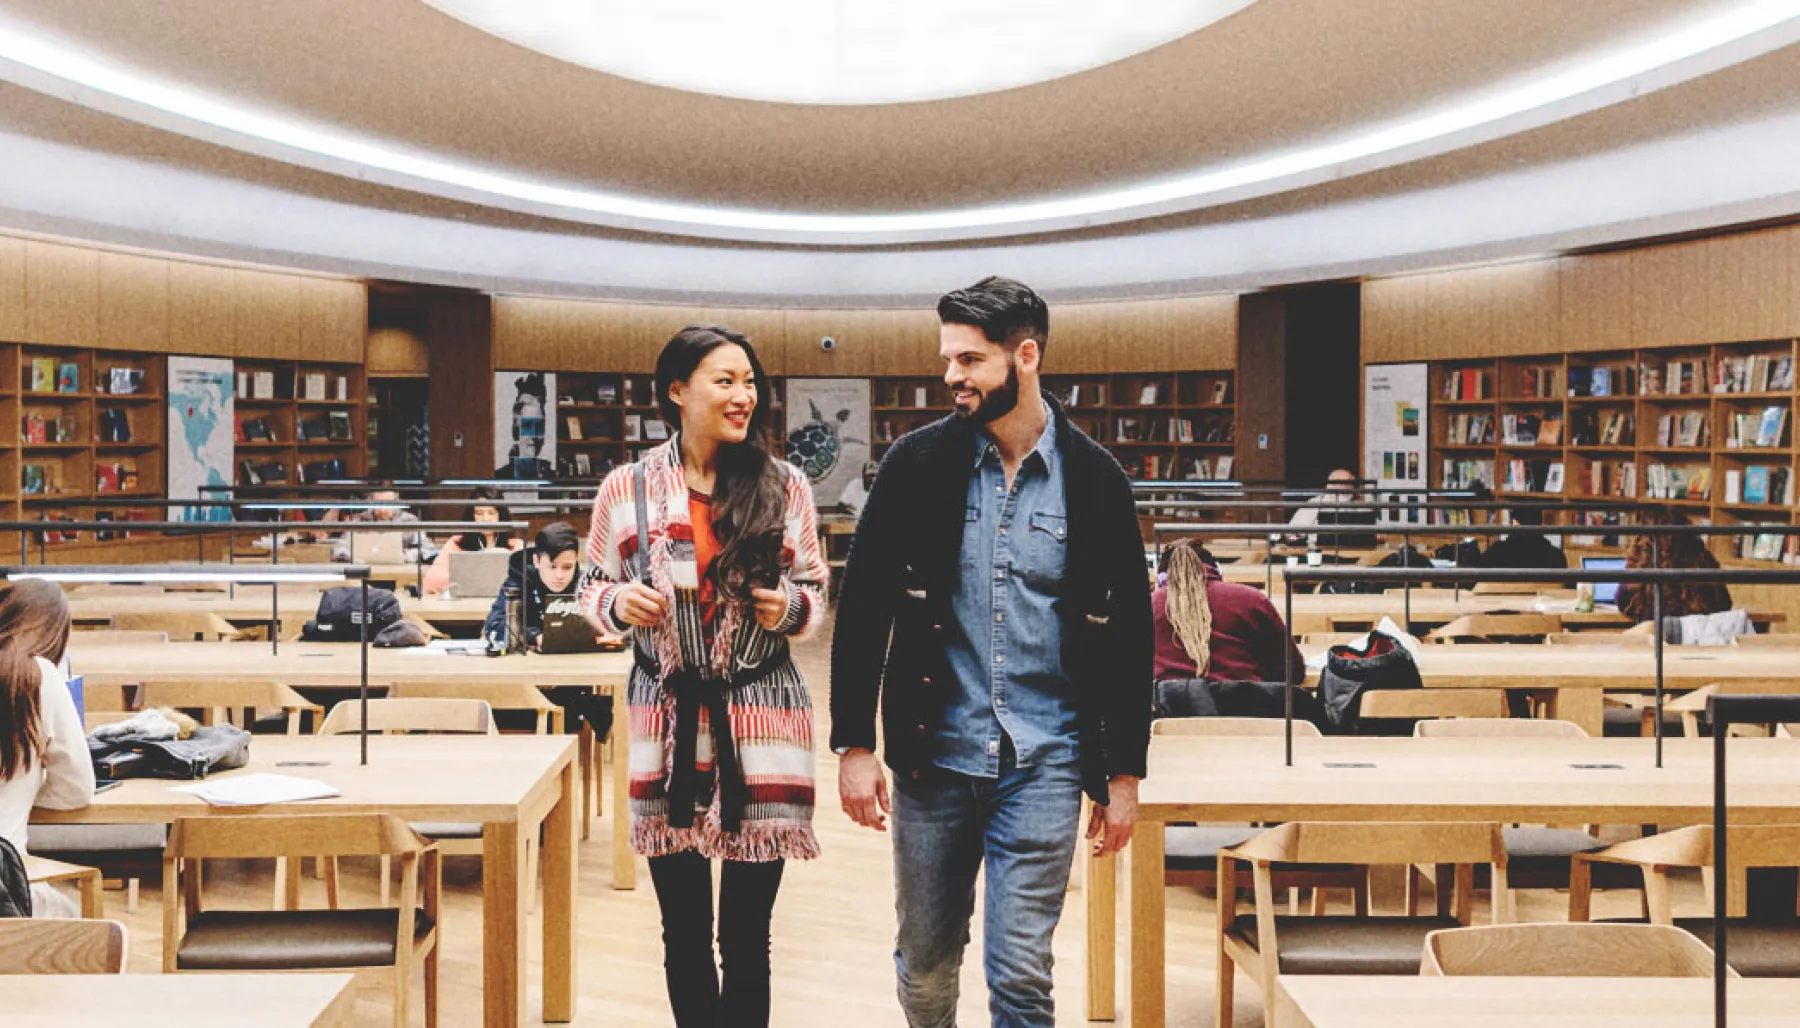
x: 1045, y: 446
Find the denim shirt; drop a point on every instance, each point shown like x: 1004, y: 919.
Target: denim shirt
x: 1006, y: 651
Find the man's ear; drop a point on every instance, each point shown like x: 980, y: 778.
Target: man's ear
x: 1030, y: 354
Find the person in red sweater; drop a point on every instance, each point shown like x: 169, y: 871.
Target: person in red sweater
x: 1217, y: 630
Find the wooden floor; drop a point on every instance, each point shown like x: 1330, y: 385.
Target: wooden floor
x: 833, y: 933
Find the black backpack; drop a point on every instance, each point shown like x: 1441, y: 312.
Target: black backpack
x: 340, y: 614
x: 1351, y: 672
x: 15, y: 884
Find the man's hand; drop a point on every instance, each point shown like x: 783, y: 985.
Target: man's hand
x: 863, y: 789
x: 1110, y: 826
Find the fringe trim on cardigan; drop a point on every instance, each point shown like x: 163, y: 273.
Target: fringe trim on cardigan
x: 758, y: 843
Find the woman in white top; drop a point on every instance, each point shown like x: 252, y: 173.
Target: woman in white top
x: 43, y: 750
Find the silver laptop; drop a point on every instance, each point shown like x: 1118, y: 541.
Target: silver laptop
x: 377, y: 548
x: 479, y: 574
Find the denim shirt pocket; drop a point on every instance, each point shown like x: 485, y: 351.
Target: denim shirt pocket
x: 1046, y: 552
x: 971, y: 540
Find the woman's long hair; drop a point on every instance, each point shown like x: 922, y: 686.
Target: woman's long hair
x: 749, y: 500
x: 1185, y: 603
x: 34, y: 622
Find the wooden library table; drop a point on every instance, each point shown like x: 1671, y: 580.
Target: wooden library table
x: 1536, y: 781
x: 512, y: 784
x: 250, y: 605
x: 338, y: 665
x: 1381, y: 1001
x: 180, y: 1000
x: 1578, y: 676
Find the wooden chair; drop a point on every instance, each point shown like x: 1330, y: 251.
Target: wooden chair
x: 86, y: 879
x: 61, y: 946
x: 1567, y: 951
x: 1497, y: 628
x: 1761, y: 946
x: 123, y: 853
x: 1498, y: 728
x: 1596, y: 639
x: 1191, y: 851
x: 400, y: 716
x: 183, y: 626
x: 1514, y: 588
x: 1770, y: 640
x: 1311, y: 639
x: 1379, y: 704
x: 497, y: 695
x: 374, y: 940
x: 116, y: 637
x: 216, y: 700
x: 1691, y: 705
x: 1266, y: 945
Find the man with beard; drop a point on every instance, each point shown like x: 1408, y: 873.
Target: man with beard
x: 995, y: 609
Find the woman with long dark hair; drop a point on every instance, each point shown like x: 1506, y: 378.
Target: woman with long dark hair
x: 43, y: 751
x: 721, y: 723
x: 482, y: 507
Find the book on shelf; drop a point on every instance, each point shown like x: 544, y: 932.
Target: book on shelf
x: 1756, y: 485
x: 115, y: 476
x: 1223, y: 466
x: 1550, y: 430
x: 313, y: 386
x: 656, y: 430
x: 606, y: 393
x: 343, y: 388
x: 1152, y: 467
x: 1734, y: 491
x: 1520, y: 429
x: 1468, y: 384
x: 124, y: 381
x: 573, y: 424
x: 1581, y: 381
x: 43, y: 374
x: 1781, y: 374
x: 1700, y: 484
x: 1200, y: 469
x: 243, y: 385
x: 319, y: 470
x: 34, y: 428
x: 634, y: 428
x: 339, y: 427
x: 262, y: 385
x: 1464, y: 474
x: 921, y: 397
x: 1553, y: 478
x: 1768, y: 429
x: 1221, y: 391
x: 65, y: 429
x: 314, y: 427
x: 1540, y: 382
x: 68, y: 377
x: 115, y: 425
x: 1148, y: 394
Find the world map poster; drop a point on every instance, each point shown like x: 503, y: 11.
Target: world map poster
x: 202, y: 446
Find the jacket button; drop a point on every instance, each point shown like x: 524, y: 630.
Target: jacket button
x: 919, y: 730
x: 937, y: 628
x: 925, y: 681
x: 914, y: 775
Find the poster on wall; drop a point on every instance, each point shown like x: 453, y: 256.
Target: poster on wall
x: 1395, y: 434
x: 827, y: 436
x: 524, y: 424
x: 202, y: 434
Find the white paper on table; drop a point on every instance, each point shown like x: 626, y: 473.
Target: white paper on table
x: 255, y: 790
x: 444, y: 647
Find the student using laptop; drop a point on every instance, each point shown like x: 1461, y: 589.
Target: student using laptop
x: 437, y: 577
x: 410, y: 542
x: 1525, y: 550
x: 544, y: 571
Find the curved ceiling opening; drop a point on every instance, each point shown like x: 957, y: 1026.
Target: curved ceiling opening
x: 839, y: 51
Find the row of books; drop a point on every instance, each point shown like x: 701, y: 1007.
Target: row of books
x: 629, y: 390
x: 1133, y: 429
x: 1540, y: 382
x: 1678, y: 482
x: 1092, y: 394
x: 331, y: 426
x: 1603, y: 380
x: 278, y: 384
x: 1683, y: 377
x: 1761, y: 373
x: 116, y: 477
x: 1531, y: 430
x: 1586, y: 428
x: 1784, y: 548
x: 583, y: 465
x: 1616, y: 479
x: 1762, y: 430
x: 36, y: 429
x: 1469, y: 429
x: 1469, y: 384
x: 1534, y: 476
x: 900, y: 394
x: 53, y: 536
x: 1157, y: 467
x: 1466, y: 474
x: 48, y: 375
x: 1760, y: 484
x: 1686, y: 429
x: 274, y: 472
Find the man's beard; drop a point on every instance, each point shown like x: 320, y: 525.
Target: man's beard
x: 996, y: 404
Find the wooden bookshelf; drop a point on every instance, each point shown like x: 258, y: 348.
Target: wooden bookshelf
x: 1704, y: 430
x: 299, y: 421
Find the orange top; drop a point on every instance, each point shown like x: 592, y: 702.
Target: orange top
x: 706, y: 544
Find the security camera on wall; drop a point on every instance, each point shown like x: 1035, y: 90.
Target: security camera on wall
x: 827, y: 344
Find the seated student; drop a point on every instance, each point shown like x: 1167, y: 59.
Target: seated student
x: 412, y: 543
x: 43, y: 751
x: 1637, y: 600
x: 1525, y: 550
x: 1340, y: 487
x: 437, y: 577
x: 1220, y: 631
x: 554, y: 560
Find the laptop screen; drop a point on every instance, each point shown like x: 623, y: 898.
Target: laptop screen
x: 1604, y: 592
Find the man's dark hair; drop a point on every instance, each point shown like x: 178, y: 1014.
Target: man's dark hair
x: 1007, y: 311
x: 556, y: 539
x: 1528, y: 516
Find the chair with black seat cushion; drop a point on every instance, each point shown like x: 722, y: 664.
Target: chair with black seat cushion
x: 1764, y: 944
x: 1266, y: 945
x: 1191, y: 851
x: 1568, y: 950
x: 374, y: 940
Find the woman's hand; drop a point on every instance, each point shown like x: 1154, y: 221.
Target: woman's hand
x: 639, y: 605
x: 771, y: 605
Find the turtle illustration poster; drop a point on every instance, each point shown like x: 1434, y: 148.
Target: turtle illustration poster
x: 827, y: 433
x: 202, y: 430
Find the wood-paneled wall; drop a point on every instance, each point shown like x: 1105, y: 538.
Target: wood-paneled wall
x: 1189, y: 333
x: 66, y: 295
x: 1731, y: 288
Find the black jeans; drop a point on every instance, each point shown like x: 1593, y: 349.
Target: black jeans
x: 746, y: 900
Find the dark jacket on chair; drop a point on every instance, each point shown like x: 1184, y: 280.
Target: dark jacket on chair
x: 895, y: 614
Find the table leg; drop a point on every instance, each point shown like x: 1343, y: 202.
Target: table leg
x: 585, y: 757
x: 624, y: 861
x: 93, y: 904
x: 1147, y: 942
x: 503, y: 922
x: 1101, y: 885
x: 559, y: 862
x: 1583, y: 706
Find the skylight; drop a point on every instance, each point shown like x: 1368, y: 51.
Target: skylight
x: 840, y: 51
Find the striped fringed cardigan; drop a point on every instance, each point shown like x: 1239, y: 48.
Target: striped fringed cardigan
x: 771, y: 719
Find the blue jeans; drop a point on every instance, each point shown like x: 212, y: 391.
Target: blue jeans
x: 1024, y: 825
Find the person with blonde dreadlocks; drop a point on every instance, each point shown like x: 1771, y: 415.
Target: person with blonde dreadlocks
x: 1208, y: 628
